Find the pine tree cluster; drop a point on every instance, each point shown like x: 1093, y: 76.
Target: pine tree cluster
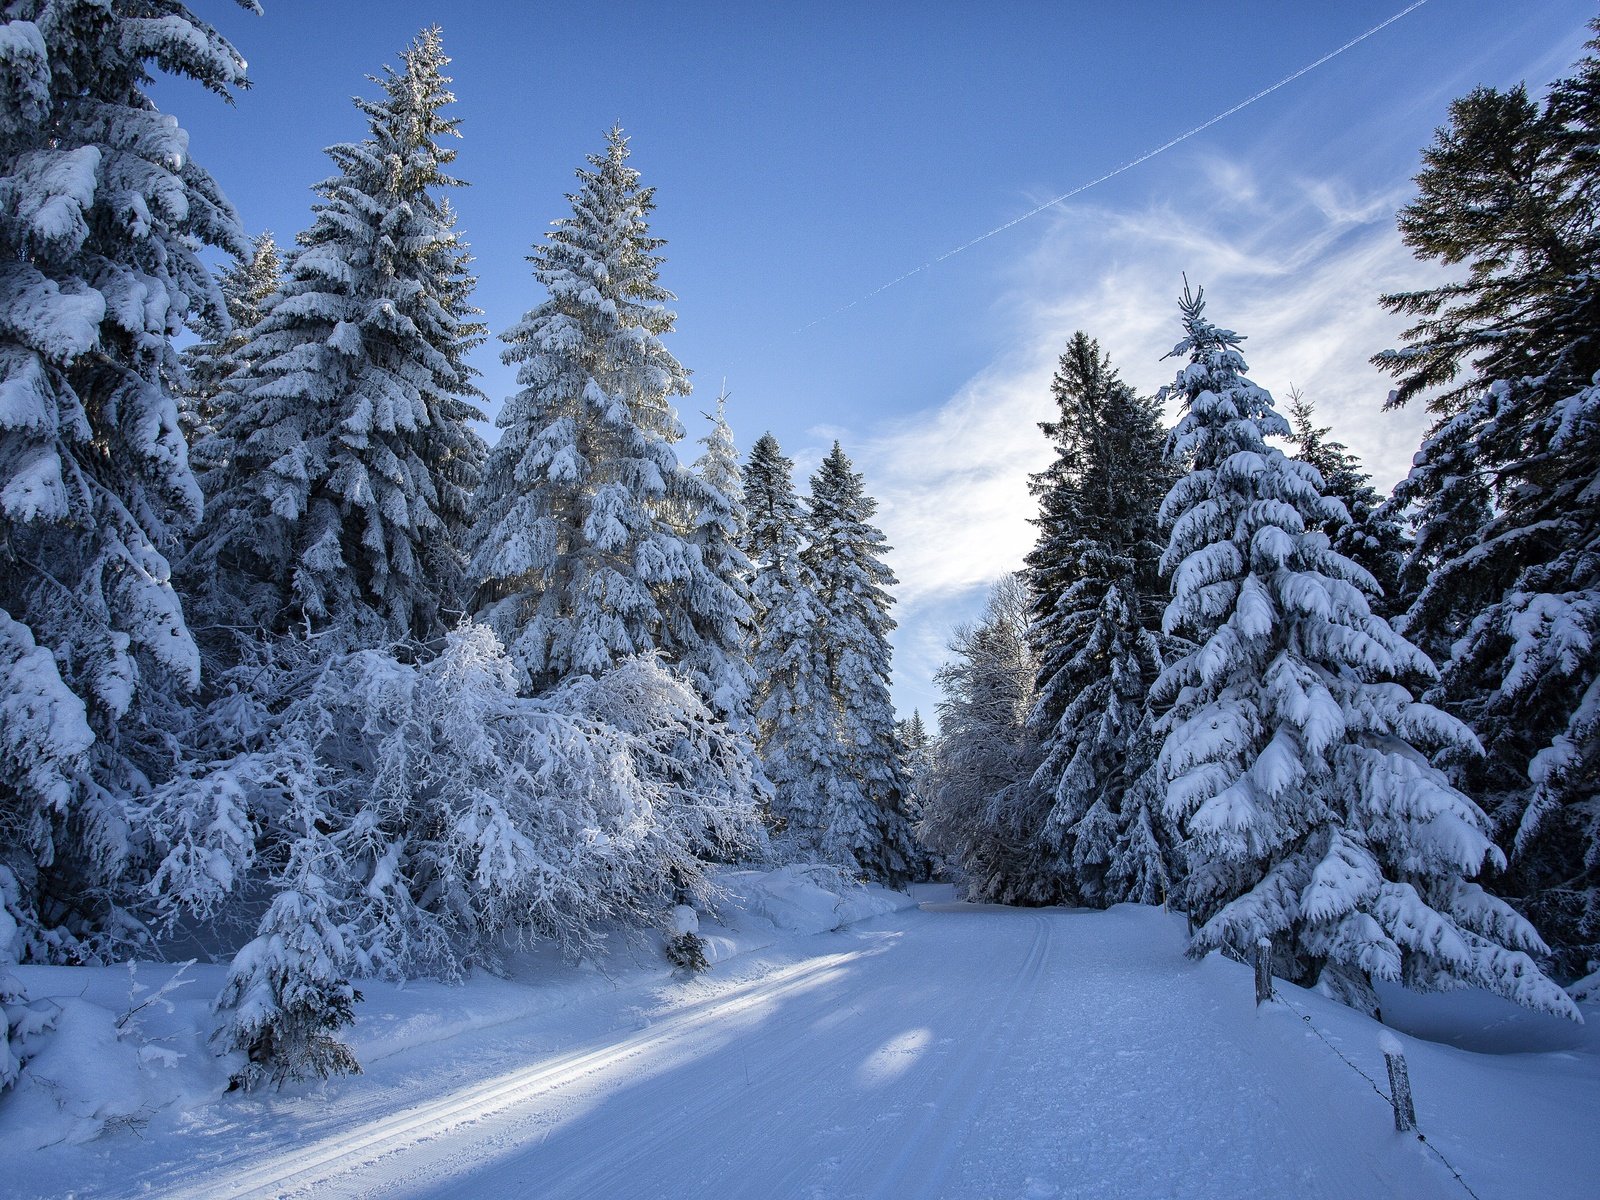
x: 1206, y: 705
x: 289, y: 658
x: 1365, y: 728
x: 826, y: 727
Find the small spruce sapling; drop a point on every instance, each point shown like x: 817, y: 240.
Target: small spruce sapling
x: 685, y: 947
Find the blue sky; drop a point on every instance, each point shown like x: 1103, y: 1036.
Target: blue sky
x: 806, y: 154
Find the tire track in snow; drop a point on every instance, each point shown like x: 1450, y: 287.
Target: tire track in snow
x: 311, y: 1169
x: 1021, y: 1053
x: 612, y: 1175
x: 924, y: 1159
x: 805, y: 1068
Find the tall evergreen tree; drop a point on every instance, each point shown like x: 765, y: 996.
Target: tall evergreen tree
x: 1505, y: 574
x: 246, y: 287
x: 845, y: 554
x: 1096, y: 635
x: 102, y: 217
x: 349, y: 457
x: 1290, y: 751
x: 1367, y: 533
x: 982, y: 813
x: 720, y: 664
x: 774, y: 519
x: 579, y: 557
x: 796, y: 734
x: 914, y: 750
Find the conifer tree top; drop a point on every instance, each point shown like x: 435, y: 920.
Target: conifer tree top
x: 352, y: 457
x: 606, y: 239
x: 1224, y: 412
x: 846, y: 551
x: 593, y: 540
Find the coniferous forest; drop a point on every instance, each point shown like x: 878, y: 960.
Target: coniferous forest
x: 296, y: 666
x: 1234, y: 677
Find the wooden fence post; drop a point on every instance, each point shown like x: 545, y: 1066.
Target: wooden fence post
x: 1263, y: 971
x: 1405, y: 1116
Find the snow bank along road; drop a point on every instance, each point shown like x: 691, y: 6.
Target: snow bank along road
x: 955, y: 1050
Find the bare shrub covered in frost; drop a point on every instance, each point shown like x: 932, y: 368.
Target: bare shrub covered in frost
x: 417, y: 816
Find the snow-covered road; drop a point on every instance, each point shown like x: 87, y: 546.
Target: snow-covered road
x: 949, y: 1051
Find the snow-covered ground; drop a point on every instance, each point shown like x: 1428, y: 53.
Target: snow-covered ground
x: 946, y: 1050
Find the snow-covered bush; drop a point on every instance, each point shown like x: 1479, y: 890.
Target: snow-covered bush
x: 414, y: 816
x: 699, y: 778
x: 22, y: 1021
x: 685, y: 947
x: 288, y: 991
x: 488, y: 813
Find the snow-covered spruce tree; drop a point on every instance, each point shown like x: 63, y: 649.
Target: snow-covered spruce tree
x: 981, y: 813
x: 288, y: 991
x: 580, y: 550
x: 845, y: 553
x: 1290, y: 751
x: 720, y: 666
x: 102, y: 217
x: 1096, y: 635
x: 914, y: 749
x: 348, y: 457
x: 796, y: 733
x: 1505, y: 574
x: 1372, y: 538
x: 246, y: 287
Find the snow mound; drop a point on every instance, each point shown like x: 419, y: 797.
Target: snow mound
x: 1587, y: 988
x: 681, y: 920
x: 112, y: 1063
x: 805, y: 898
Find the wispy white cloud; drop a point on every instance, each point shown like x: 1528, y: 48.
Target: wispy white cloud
x: 1296, y: 266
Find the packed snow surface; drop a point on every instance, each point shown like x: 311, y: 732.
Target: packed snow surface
x: 947, y: 1050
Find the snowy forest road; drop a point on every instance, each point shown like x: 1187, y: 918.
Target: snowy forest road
x: 952, y: 1051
